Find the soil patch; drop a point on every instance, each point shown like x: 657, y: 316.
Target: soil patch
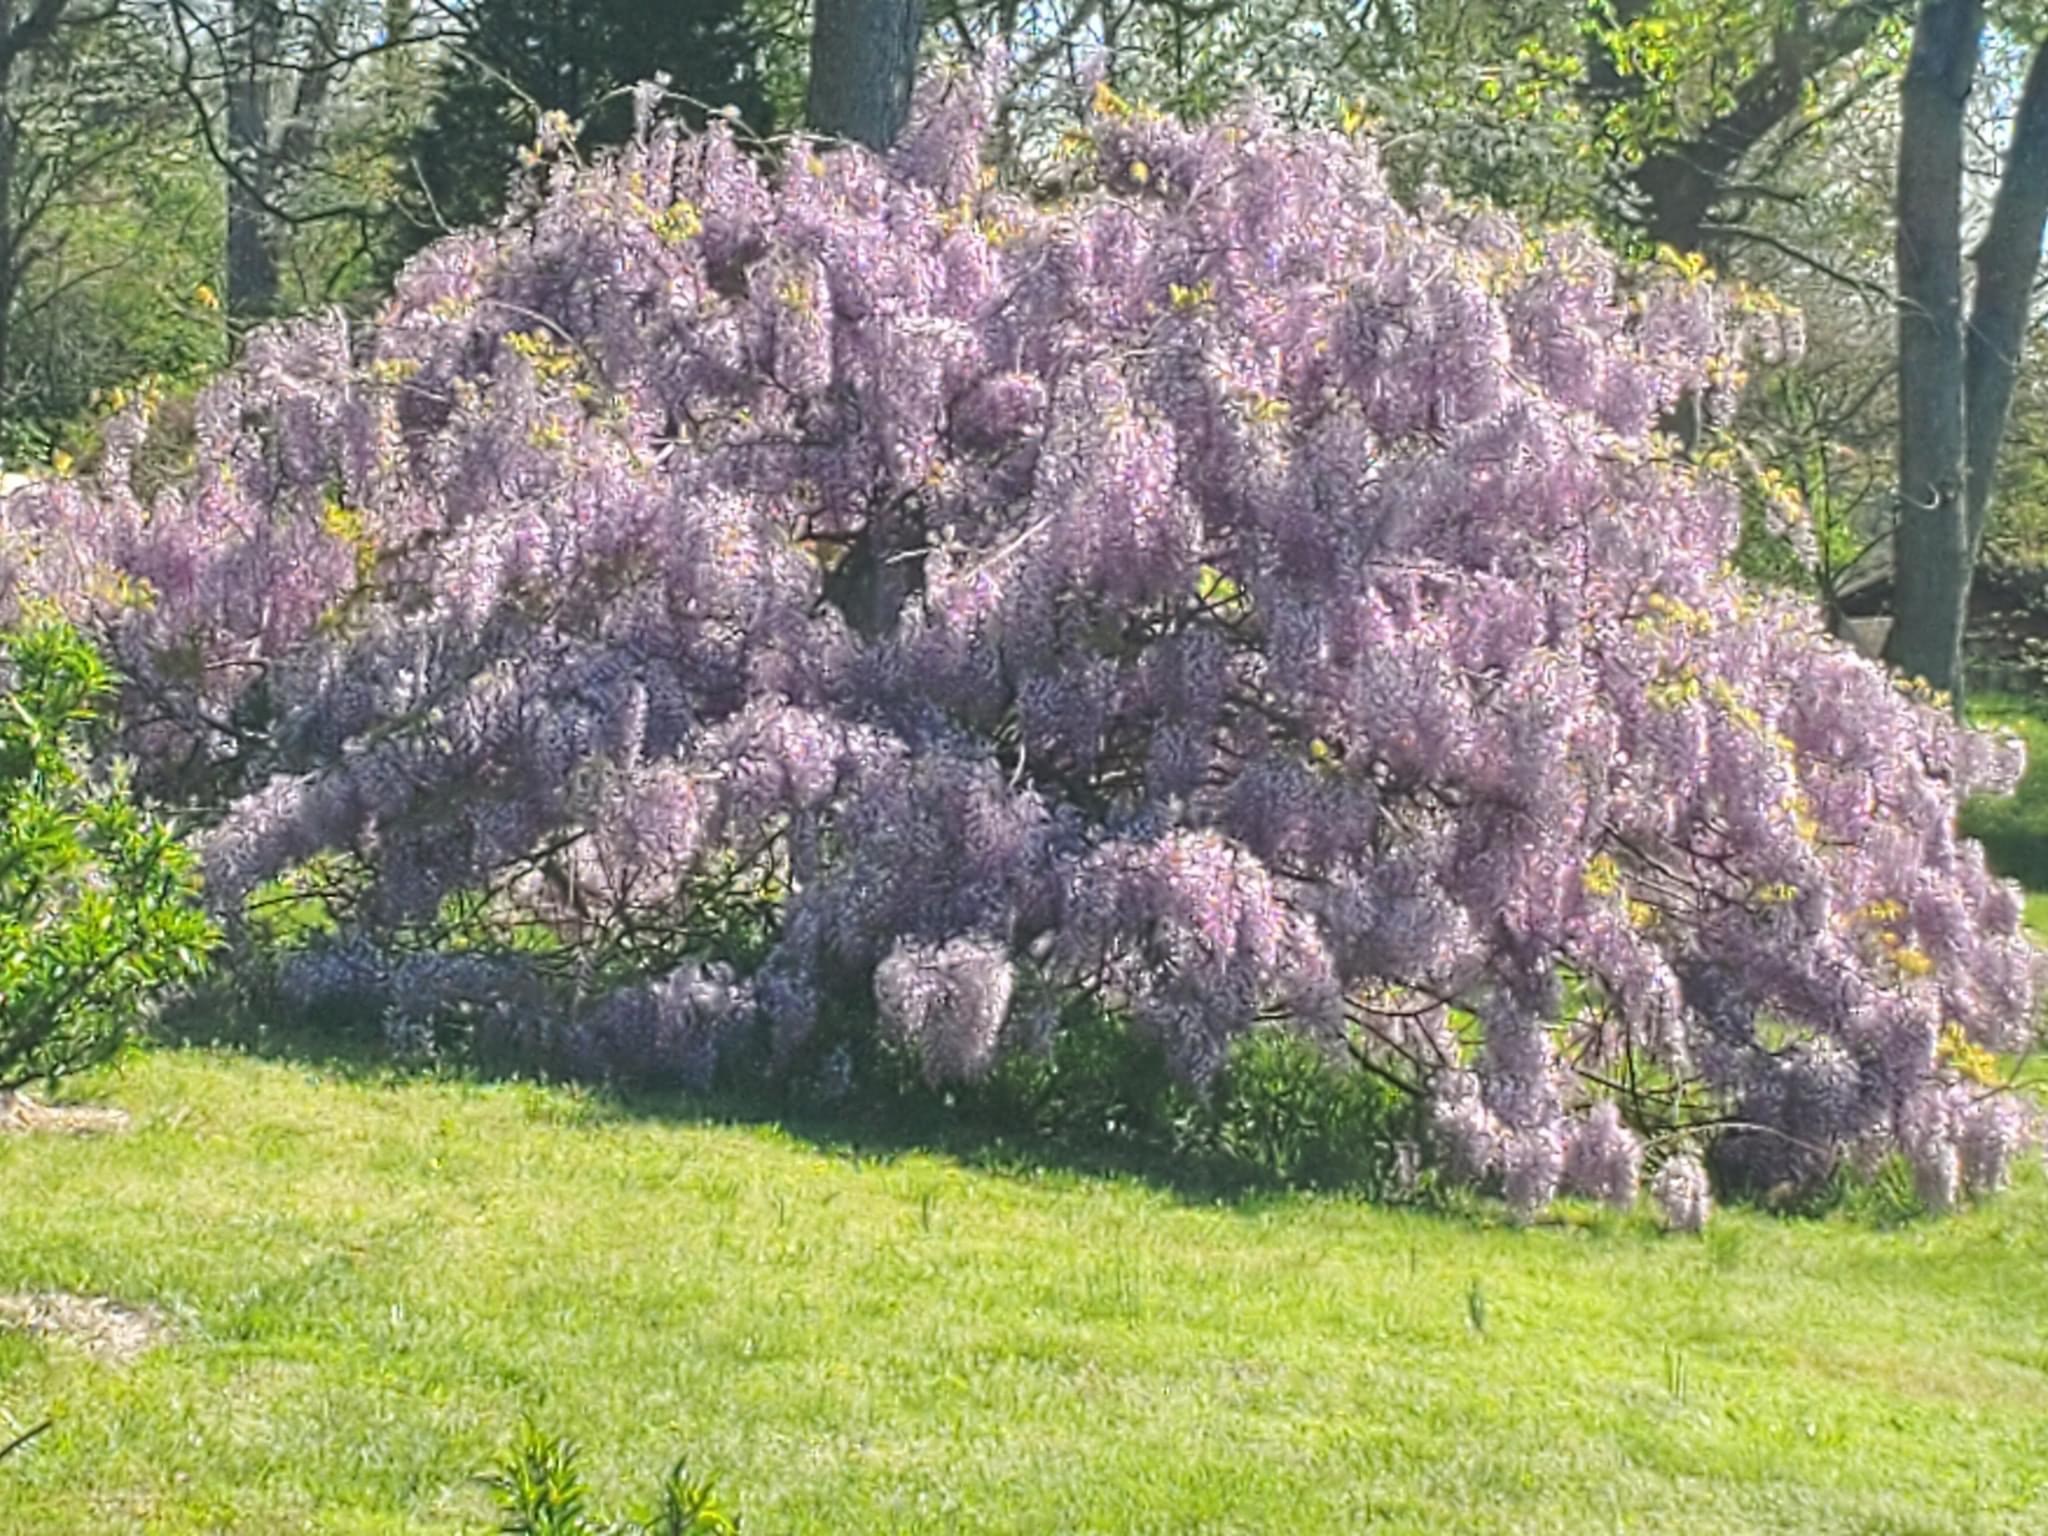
x: 106, y: 1329
x: 19, y: 1114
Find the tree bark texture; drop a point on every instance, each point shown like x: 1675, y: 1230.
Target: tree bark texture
x: 2007, y: 261
x: 252, y: 258
x: 23, y: 29
x: 863, y: 65
x: 1932, y: 546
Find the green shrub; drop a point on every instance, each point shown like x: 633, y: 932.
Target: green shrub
x: 98, y: 901
x: 1282, y: 1108
x: 1280, y: 1111
x: 1097, y: 1081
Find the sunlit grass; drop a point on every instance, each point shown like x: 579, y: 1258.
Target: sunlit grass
x: 373, y: 1281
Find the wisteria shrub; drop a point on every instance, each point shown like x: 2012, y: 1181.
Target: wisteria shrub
x: 1226, y: 596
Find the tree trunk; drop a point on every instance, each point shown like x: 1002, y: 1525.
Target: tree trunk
x: 20, y: 35
x: 26, y: 27
x: 1932, y: 547
x: 252, y: 260
x: 863, y: 64
x: 10, y: 144
x: 2006, y: 260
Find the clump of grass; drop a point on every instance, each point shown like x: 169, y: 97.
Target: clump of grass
x: 540, y: 1490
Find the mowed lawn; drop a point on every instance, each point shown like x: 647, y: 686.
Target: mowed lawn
x: 372, y: 1281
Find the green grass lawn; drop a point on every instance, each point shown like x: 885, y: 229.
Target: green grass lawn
x: 372, y: 1281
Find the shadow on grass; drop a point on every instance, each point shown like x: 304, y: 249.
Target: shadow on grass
x: 879, y: 1128
x: 867, y: 1126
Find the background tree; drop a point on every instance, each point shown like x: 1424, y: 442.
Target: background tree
x: 1687, y: 98
x: 1956, y: 379
x: 507, y: 61
x: 1661, y: 119
x: 83, y: 120
x: 1471, y: 95
x: 276, y: 92
x: 863, y: 64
